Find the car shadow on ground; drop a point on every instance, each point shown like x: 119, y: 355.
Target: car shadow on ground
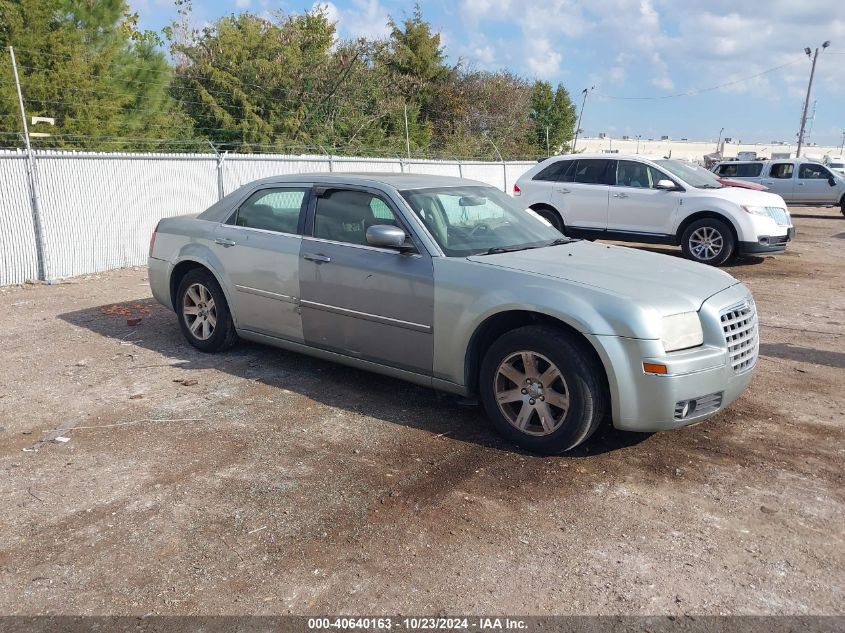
x: 803, y: 354
x: 331, y: 384
x: 674, y: 251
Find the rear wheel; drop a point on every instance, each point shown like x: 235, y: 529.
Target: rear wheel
x: 204, y: 316
x: 708, y: 241
x: 542, y: 390
x: 842, y: 205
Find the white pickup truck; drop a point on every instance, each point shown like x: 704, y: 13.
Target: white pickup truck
x: 799, y: 181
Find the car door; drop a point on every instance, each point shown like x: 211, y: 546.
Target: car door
x: 259, y: 250
x: 813, y: 185
x: 582, y: 194
x: 372, y: 303
x: 545, y: 183
x: 636, y: 206
x: 781, y: 180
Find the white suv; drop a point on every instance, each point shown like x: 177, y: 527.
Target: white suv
x: 660, y: 201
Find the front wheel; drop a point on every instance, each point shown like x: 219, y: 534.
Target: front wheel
x: 552, y: 217
x: 708, y: 241
x: 204, y: 316
x: 842, y: 205
x: 542, y: 390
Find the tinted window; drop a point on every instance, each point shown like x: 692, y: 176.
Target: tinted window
x: 749, y: 170
x: 345, y: 215
x: 727, y: 170
x: 813, y: 172
x: 555, y: 171
x: 272, y: 210
x: 781, y: 170
x: 590, y: 172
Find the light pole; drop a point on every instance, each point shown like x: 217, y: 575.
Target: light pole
x: 578, y: 127
x: 815, y: 56
x: 639, y: 136
x: 842, y: 147
x: 719, y: 142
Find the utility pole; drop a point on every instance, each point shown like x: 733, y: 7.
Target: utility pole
x: 639, y: 136
x: 807, y: 98
x: 407, y: 136
x: 842, y: 147
x: 580, y: 114
x: 30, y: 177
x: 719, y: 142
x: 548, y: 152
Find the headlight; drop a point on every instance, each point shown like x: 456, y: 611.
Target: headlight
x: 680, y: 331
x: 755, y: 210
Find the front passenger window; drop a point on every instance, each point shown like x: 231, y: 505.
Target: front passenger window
x: 812, y: 171
x: 344, y: 215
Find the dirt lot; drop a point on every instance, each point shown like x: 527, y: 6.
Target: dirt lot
x: 290, y: 485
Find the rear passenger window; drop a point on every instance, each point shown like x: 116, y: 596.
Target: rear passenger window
x: 272, y: 210
x: 749, y: 170
x: 781, y: 170
x: 555, y: 172
x: 591, y: 172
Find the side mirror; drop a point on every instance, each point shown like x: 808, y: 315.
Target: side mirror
x: 387, y: 236
x: 831, y: 181
x: 665, y: 185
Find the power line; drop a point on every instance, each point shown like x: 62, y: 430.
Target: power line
x: 698, y: 91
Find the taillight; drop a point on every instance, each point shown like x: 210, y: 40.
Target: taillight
x: 153, y: 238
x: 516, y: 190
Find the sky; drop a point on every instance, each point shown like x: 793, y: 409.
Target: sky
x: 634, y: 55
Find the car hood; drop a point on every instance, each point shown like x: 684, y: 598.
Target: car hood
x: 665, y: 283
x: 740, y: 196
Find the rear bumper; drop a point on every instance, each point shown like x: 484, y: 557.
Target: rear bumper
x: 768, y: 243
x: 158, y: 273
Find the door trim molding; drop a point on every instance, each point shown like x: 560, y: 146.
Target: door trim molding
x: 409, y: 325
x: 265, y: 293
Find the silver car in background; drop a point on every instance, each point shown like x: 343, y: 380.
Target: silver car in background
x: 448, y: 283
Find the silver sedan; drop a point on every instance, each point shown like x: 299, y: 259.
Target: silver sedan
x: 448, y: 283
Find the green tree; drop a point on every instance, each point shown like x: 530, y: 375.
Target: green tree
x: 86, y: 65
x: 554, y: 116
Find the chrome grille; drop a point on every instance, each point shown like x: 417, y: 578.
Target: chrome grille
x: 739, y: 323
x: 781, y: 216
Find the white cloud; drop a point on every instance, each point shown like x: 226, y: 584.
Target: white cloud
x: 363, y: 18
x: 243, y: 4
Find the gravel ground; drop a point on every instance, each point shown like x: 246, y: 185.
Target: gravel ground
x: 291, y: 485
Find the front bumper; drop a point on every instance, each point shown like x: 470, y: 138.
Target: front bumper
x: 647, y: 402
x: 768, y: 243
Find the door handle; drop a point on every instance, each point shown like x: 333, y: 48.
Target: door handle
x: 316, y: 258
x: 800, y: 184
x: 620, y: 195
x: 562, y: 190
x: 224, y: 242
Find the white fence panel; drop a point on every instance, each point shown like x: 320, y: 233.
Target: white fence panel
x: 18, y: 260
x: 240, y: 169
x: 98, y: 211
x: 433, y: 168
x: 380, y: 165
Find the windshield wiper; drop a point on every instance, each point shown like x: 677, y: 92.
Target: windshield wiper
x: 506, y: 249
x: 559, y: 241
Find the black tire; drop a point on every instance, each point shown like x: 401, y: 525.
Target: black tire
x: 552, y: 217
x: 714, y: 229
x: 222, y: 334
x: 582, y: 379
x: 842, y: 205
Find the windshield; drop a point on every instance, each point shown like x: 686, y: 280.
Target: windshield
x: 692, y: 174
x: 473, y: 220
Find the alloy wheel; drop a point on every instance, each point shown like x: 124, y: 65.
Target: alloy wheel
x: 199, y: 311
x: 706, y: 243
x: 531, y: 393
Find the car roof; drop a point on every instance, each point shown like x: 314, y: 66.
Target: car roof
x: 607, y: 156
x: 392, y: 179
